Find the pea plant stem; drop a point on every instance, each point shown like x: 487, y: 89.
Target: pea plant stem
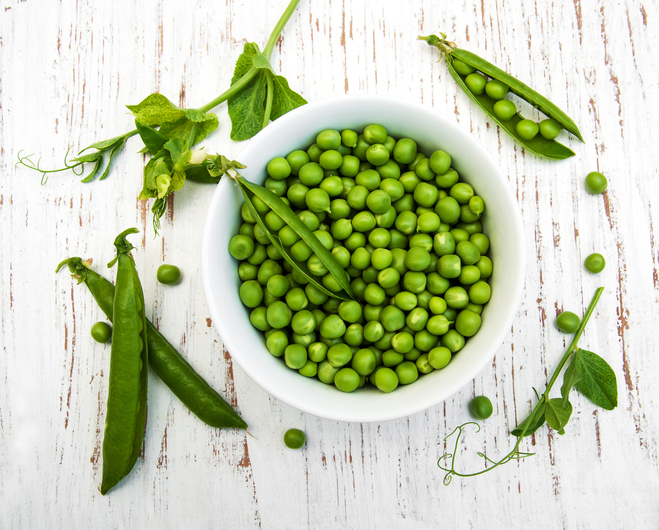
x: 274, y: 36
x: 514, y: 453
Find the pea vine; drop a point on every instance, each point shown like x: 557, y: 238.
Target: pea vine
x: 256, y: 96
x: 587, y: 372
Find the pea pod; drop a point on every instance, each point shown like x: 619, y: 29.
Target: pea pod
x: 164, y: 359
x: 249, y: 190
x: 539, y: 145
x: 125, y: 419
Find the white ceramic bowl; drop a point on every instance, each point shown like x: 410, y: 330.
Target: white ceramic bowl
x: 502, y: 223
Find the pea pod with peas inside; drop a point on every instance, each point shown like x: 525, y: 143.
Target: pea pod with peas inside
x: 125, y: 419
x: 464, y: 67
x: 164, y: 359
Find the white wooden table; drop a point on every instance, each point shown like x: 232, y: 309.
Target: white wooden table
x: 68, y: 69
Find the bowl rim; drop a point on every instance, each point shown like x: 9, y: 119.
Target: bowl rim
x: 271, y: 131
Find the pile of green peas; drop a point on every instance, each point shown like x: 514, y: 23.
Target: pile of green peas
x: 504, y: 109
x: 407, y: 233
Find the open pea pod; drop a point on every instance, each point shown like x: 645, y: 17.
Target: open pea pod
x: 518, y: 88
x: 539, y: 145
x: 249, y: 190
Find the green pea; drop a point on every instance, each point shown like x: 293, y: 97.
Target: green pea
x: 357, y: 197
x: 295, y: 356
x: 251, y: 293
x: 398, y: 240
x: 378, y: 201
x: 277, y: 343
x: 350, y: 311
x: 405, y: 150
x: 328, y: 139
x: 406, y: 300
x: 317, y: 200
x: 453, y: 341
x: 448, y: 209
x: 415, y: 282
x: 375, y: 134
x: 456, y: 297
x: 439, y: 357
x: 330, y: 160
x: 417, y: 319
x: 417, y: 259
x: 296, y: 159
x: 527, y: 129
x: 241, y: 247
x: 449, y: 266
x: 423, y: 170
x: 392, y: 358
x: 268, y: 269
x: 437, y: 305
x: 447, y: 180
x: 310, y: 369
x: 354, y: 335
x: 462, y: 68
x: 277, y: 285
x: 355, y: 241
x: 440, y: 162
x: 303, y: 322
x: 388, y: 278
x: 504, y: 109
x: 467, y: 323
x: 423, y: 365
x: 469, y: 274
x: 332, y: 327
x: 339, y: 355
x: 377, y: 154
x: 596, y: 183
x: 496, y: 89
x: 327, y: 372
x: 341, y: 229
x: 314, y: 151
x: 550, y: 129
x: 278, y: 168
x: 349, y: 166
x: 373, y: 331
x: 426, y: 194
x: 333, y: 186
x: 363, y: 221
x: 402, y: 342
x: 297, y: 194
x: 392, y: 318
x: 468, y: 252
x: 346, y: 380
x: 428, y: 222
x: 381, y: 258
x: 479, y: 293
x: 409, y: 181
x: 405, y: 203
x: 363, y: 362
x: 317, y: 352
x: 407, y: 372
x: 259, y: 319
x: 438, y: 325
x: 101, y: 332
x: 294, y: 438
x: 476, y: 83
x: 444, y: 244
x: 349, y: 138
x: 370, y: 274
x: 480, y: 408
x: 595, y: 263
x: 260, y: 235
x: 437, y: 284
x: 567, y: 322
x: 485, y: 266
x: 331, y: 283
x: 389, y: 170
x: 406, y: 222
x: 481, y: 241
x: 279, y: 314
x: 386, y: 380
x: 379, y: 238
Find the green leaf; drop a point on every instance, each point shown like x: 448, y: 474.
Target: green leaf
x: 570, y: 378
x: 260, y: 61
x: 247, y: 109
x: 598, y: 380
x: 153, y: 140
x: 105, y: 144
x: 95, y: 169
x: 285, y: 99
x: 538, y: 418
x: 182, y: 127
x: 115, y: 151
x: 245, y: 61
x: 156, y: 109
x: 292, y: 220
x: 175, y: 146
x: 558, y: 414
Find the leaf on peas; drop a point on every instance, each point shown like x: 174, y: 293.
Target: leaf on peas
x: 250, y: 189
x: 570, y: 378
x: 535, y: 421
x: 558, y: 414
x: 173, y: 122
x: 247, y: 108
x: 598, y: 380
x: 153, y: 140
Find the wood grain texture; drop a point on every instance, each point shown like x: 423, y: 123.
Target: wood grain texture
x: 68, y: 69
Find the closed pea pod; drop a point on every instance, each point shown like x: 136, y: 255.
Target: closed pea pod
x: 127, y: 388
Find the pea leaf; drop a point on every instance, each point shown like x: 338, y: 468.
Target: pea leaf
x: 247, y: 108
x: 174, y: 122
x: 284, y: 99
x: 570, y: 378
x: 152, y: 139
x: 558, y: 414
x: 538, y: 421
x: 598, y: 380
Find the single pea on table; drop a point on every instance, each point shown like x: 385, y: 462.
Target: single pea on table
x: 400, y: 232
